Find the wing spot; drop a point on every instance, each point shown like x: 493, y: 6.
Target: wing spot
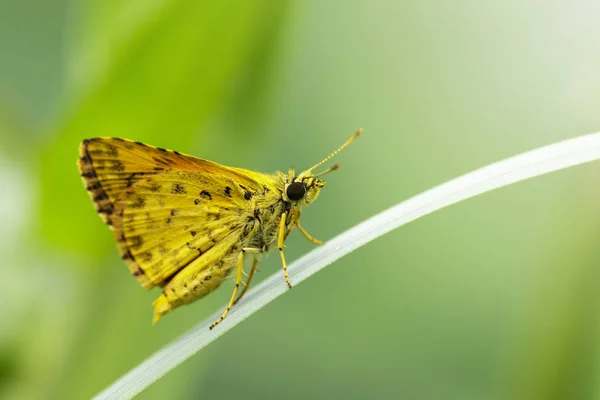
x: 140, y: 202
x: 112, y: 150
x: 117, y: 166
x: 137, y: 242
x: 162, y: 249
x: 108, y: 209
x: 227, y: 191
x: 205, y: 195
x: 86, y: 159
x: 131, y: 180
x: 158, y: 160
x: 89, y: 174
x: 100, y: 196
x: 178, y: 189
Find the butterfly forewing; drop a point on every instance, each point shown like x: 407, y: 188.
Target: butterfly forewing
x: 167, y: 210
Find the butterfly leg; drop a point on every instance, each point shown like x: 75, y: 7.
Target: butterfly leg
x: 238, y: 281
x: 247, y: 284
x: 307, y: 236
x: 280, y: 240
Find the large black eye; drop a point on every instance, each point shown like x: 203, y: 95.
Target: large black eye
x: 295, y: 191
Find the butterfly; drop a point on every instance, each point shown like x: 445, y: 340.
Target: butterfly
x: 185, y: 224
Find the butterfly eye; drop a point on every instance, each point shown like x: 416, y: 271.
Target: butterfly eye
x: 295, y: 191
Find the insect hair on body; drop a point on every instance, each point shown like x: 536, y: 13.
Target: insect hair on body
x: 184, y: 223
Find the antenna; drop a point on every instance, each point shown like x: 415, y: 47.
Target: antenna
x: 342, y: 147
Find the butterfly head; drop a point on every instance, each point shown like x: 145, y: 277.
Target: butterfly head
x: 304, y: 188
x: 302, y: 191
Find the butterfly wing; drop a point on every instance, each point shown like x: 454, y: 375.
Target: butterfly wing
x: 166, y: 209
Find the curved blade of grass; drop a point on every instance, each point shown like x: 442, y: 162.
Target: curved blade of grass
x: 524, y: 166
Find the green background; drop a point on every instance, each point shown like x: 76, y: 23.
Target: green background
x: 493, y: 298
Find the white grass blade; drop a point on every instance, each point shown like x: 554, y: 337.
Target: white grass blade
x: 524, y: 166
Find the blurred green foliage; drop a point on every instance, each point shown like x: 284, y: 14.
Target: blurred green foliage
x: 156, y: 80
x: 493, y: 298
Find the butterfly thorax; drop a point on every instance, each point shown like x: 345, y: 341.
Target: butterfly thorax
x: 262, y: 227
